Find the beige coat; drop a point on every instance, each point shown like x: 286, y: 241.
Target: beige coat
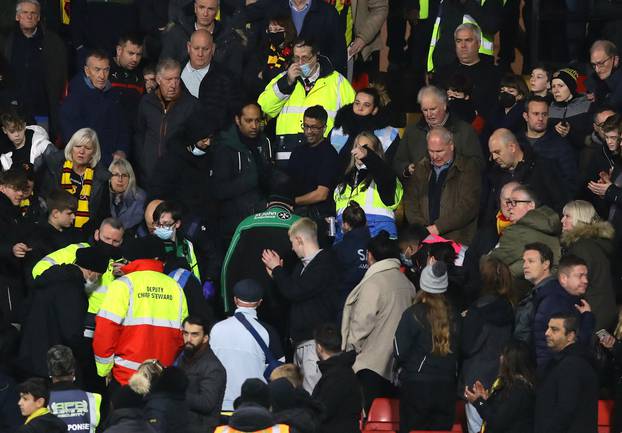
x: 368, y: 17
x: 371, y: 315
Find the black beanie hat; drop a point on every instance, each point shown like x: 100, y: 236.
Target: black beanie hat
x: 569, y: 77
x: 93, y: 259
x: 126, y: 398
x: 254, y: 391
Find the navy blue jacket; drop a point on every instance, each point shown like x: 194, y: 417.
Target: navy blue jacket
x: 552, y: 146
x: 550, y: 299
x: 100, y: 110
x: 351, y: 255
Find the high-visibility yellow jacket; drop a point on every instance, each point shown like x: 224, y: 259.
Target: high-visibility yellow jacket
x: 331, y: 90
x: 139, y: 319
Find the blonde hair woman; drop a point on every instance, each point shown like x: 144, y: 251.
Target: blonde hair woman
x: 76, y: 170
x: 127, y: 200
x: 586, y: 236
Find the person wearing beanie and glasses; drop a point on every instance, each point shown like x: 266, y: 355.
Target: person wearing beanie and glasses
x: 425, y: 349
x: 570, y: 112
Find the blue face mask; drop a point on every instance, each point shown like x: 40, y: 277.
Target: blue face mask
x: 305, y: 70
x: 198, y: 152
x: 164, y: 233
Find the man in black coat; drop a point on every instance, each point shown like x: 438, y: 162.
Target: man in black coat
x: 242, y: 168
x: 319, y: 21
x: 207, y: 377
x: 60, y: 293
x: 311, y: 289
x: 513, y: 162
x: 338, y: 389
x: 567, y: 394
x: 39, y: 64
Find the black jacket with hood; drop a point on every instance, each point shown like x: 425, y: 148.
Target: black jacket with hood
x: 241, y: 176
x: 166, y: 408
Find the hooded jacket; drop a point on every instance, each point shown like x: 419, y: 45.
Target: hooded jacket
x: 89, y: 107
x: 340, y: 392
x: 128, y: 420
x: 57, y: 293
x: 538, y: 225
x: 594, y: 244
x: 486, y: 328
x: 241, y: 177
x: 577, y: 112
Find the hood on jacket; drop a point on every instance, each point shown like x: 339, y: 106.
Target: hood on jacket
x: 68, y: 274
x: 495, y: 310
x: 345, y: 359
x: 251, y: 417
x: 542, y: 219
x: 350, y: 122
x: 598, y: 230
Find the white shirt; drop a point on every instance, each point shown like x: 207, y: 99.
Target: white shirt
x: 192, y: 78
x: 238, y: 352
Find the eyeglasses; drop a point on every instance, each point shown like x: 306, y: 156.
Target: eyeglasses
x: 302, y: 59
x: 164, y: 225
x: 513, y: 203
x: 312, y: 128
x: 598, y: 65
x: 120, y: 175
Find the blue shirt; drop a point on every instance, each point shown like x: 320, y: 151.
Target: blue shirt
x: 298, y: 17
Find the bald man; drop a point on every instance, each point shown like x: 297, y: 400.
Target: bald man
x: 512, y: 162
x: 153, y: 204
x: 201, y: 51
x: 443, y: 192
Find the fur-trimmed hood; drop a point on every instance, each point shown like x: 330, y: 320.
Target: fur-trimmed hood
x: 598, y: 230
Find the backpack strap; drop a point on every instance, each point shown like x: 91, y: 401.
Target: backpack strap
x: 266, y: 351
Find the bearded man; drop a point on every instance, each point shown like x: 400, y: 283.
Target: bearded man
x: 207, y: 377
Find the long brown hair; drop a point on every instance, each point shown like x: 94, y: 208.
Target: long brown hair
x: 438, y: 315
x: 376, y: 147
x: 496, y: 278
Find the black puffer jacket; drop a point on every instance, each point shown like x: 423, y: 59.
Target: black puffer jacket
x: 206, y: 388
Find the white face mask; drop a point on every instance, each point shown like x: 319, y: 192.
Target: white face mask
x: 91, y: 285
x: 198, y: 152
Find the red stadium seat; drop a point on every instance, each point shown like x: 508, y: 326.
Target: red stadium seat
x: 384, y: 415
x: 605, y: 413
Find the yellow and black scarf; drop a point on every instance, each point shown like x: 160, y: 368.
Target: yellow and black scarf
x: 82, y: 214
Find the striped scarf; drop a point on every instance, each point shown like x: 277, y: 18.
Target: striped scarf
x: 496, y: 385
x: 24, y: 205
x: 82, y: 214
x: 502, y: 223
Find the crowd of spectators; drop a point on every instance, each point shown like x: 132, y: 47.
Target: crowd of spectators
x: 215, y: 219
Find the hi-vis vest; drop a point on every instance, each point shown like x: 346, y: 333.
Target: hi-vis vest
x: 486, y: 47
x: 331, y: 92
x: 78, y: 409
x: 139, y: 319
x: 66, y: 256
x: 279, y: 428
x: 379, y: 215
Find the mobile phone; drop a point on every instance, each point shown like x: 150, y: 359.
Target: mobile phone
x: 603, y: 333
x: 564, y: 124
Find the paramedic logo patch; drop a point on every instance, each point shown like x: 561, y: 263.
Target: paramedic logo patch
x: 284, y: 215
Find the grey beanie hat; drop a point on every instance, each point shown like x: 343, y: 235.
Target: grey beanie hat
x: 434, y: 278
